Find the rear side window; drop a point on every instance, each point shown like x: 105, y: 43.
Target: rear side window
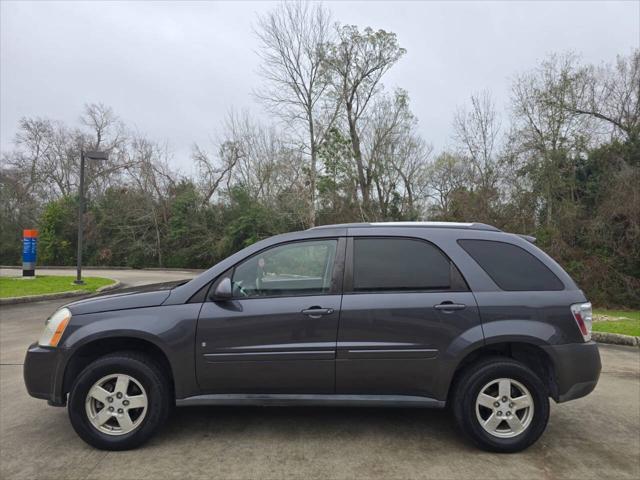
x: 511, y: 267
x: 399, y: 264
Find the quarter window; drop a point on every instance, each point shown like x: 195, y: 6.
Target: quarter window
x: 511, y: 267
x: 399, y: 264
x: 302, y: 268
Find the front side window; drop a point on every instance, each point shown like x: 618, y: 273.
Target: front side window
x: 301, y: 268
x: 511, y: 267
x: 399, y: 264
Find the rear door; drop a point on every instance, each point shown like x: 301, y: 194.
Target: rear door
x: 278, y: 333
x: 404, y: 303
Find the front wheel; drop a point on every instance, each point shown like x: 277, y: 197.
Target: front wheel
x: 119, y: 401
x: 501, y: 405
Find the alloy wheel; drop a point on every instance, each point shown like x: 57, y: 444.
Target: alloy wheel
x: 504, y: 408
x: 116, y: 404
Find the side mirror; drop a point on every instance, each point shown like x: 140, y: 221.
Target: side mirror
x: 223, y: 291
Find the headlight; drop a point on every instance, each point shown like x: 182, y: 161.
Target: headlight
x: 54, y: 328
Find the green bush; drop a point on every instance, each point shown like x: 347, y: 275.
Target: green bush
x: 58, y: 233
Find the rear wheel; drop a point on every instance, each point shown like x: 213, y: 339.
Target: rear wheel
x: 119, y: 401
x: 501, y: 405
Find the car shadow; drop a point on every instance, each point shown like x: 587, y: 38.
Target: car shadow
x: 313, y: 423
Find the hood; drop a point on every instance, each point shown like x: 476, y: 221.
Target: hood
x: 134, y: 297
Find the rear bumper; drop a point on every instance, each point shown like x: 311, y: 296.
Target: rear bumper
x: 577, y: 369
x: 41, y: 374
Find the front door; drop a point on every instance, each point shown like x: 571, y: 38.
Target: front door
x: 278, y: 333
x: 404, y: 303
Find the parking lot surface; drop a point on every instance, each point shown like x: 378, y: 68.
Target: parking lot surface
x: 594, y: 437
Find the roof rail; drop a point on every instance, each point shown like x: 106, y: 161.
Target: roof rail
x: 528, y: 238
x: 469, y: 226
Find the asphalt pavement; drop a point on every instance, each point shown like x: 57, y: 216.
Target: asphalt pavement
x: 128, y: 277
x: 594, y: 437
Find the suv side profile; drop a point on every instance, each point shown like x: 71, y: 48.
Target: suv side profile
x: 417, y: 314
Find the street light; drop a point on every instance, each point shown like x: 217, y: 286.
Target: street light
x: 93, y: 155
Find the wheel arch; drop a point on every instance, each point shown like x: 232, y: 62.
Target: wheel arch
x: 94, y: 348
x: 529, y: 352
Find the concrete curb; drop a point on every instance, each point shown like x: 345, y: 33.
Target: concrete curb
x: 56, y: 296
x: 616, y: 339
x: 113, y: 286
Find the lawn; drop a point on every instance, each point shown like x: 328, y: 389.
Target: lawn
x: 20, y: 287
x: 628, y: 314
x: 625, y: 327
x: 626, y: 322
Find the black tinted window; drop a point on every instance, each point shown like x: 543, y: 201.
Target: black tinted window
x: 398, y: 264
x: 511, y: 267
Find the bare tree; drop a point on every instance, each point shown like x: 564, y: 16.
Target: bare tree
x: 293, y: 37
x: 546, y: 128
x: 104, y: 124
x: 106, y: 132
x: 357, y: 62
x: 613, y: 95
x: 393, y: 154
x: 33, y: 141
x: 447, y: 175
x: 412, y: 164
x: 47, y: 150
x: 50, y: 152
x: 148, y: 170
x: 261, y: 161
x: 476, y: 131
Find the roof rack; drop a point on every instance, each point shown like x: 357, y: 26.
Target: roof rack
x: 468, y: 226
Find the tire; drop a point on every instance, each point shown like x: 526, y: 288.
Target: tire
x: 146, y: 385
x: 489, y: 377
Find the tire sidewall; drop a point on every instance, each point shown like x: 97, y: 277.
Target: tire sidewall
x: 157, y: 402
x: 520, y: 373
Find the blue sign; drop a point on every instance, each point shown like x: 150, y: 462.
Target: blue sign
x: 29, y: 252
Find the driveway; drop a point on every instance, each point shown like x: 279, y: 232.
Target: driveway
x: 594, y: 437
x: 127, y: 277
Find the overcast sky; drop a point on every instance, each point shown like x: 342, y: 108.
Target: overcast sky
x: 173, y: 70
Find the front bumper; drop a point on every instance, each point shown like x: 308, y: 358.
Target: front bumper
x: 577, y: 369
x: 41, y: 374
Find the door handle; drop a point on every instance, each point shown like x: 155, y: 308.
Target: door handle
x: 450, y: 306
x: 317, y: 312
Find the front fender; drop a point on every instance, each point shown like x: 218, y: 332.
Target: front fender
x: 169, y: 328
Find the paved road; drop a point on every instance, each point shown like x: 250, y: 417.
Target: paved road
x: 595, y: 437
x: 127, y: 277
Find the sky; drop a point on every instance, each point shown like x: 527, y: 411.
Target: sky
x: 174, y: 70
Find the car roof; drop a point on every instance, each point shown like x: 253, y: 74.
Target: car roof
x: 462, y: 225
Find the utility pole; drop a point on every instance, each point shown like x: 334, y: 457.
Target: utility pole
x: 94, y: 155
x: 78, y: 280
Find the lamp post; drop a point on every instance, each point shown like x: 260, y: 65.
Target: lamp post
x: 92, y: 155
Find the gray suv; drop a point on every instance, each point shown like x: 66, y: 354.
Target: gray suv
x: 417, y: 314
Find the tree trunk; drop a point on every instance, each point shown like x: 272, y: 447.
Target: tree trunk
x: 357, y: 155
x: 312, y: 175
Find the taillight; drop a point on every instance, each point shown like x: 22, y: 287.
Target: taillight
x: 584, y: 318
